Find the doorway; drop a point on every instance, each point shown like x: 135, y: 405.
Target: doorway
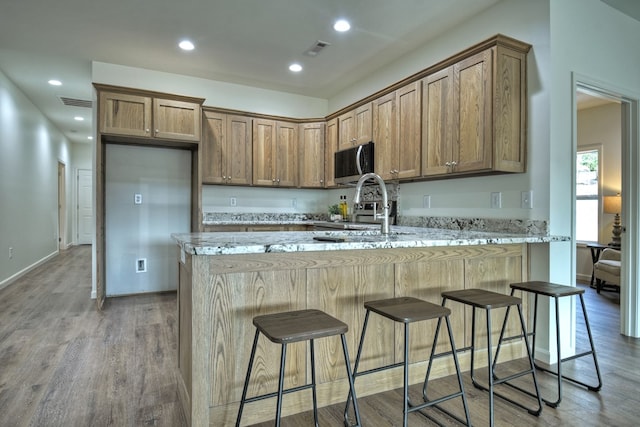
x: 629, y: 187
x: 62, y: 207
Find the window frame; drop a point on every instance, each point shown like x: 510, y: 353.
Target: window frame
x: 598, y: 197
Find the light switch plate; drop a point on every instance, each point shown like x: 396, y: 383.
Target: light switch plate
x: 496, y: 200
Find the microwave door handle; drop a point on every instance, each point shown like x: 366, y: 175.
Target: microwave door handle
x: 358, y: 160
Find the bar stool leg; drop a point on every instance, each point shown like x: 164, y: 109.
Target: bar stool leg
x: 283, y: 357
x: 350, y: 397
x: 246, y: 380
x: 352, y: 389
x: 313, y: 382
x: 406, y: 376
x: 593, y: 349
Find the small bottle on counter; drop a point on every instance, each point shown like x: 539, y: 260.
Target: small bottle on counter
x: 344, y: 207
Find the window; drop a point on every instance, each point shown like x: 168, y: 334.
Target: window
x: 587, y: 194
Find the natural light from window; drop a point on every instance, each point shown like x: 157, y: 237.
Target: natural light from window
x: 587, y: 195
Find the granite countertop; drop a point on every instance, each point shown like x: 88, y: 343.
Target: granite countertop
x: 369, y: 237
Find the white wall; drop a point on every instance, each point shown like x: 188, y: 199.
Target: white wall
x: 30, y: 148
x: 589, y: 41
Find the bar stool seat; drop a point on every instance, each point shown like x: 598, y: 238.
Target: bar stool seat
x: 556, y: 292
x: 408, y: 310
x: 487, y: 300
x: 290, y: 327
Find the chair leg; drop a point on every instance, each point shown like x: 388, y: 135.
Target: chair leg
x: 313, y: 382
x: 351, y: 397
x: 352, y: 389
x: 246, y: 380
x: 283, y: 357
x: 405, y: 410
x: 593, y: 347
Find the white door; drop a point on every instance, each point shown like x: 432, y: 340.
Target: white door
x: 85, y: 207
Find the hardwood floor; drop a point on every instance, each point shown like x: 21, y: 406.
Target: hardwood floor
x: 62, y: 363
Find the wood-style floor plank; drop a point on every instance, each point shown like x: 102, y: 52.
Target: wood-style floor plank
x: 62, y: 363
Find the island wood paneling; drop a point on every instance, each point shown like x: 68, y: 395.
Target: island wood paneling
x: 229, y: 290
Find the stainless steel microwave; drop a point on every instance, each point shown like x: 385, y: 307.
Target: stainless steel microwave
x: 353, y: 162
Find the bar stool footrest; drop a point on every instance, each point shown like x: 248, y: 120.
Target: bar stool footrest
x: 535, y: 412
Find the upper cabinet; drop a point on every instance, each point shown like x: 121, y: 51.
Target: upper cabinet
x: 396, y: 133
x: 275, y: 160
x: 330, y: 147
x: 355, y: 127
x: 474, y: 114
x: 142, y: 115
x: 226, y: 153
x: 311, y: 156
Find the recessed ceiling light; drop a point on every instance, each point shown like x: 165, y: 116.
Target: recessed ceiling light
x: 296, y: 68
x: 78, y: 118
x: 342, y: 25
x: 54, y: 82
x: 186, y: 45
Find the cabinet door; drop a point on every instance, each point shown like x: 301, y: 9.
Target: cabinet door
x: 385, y: 136
x: 408, y: 131
x: 286, y: 154
x: 346, y: 131
x: 213, y: 148
x: 355, y: 127
x: 331, y: 146
x: 437, y: 122
x: 237, y: 150
x: 264, y: 145
x: 312, y: 155
x: 176, y: 120
x: 124, y: 114
x: 473, y: 101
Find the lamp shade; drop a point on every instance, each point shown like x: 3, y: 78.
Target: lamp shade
x: 612, y: 204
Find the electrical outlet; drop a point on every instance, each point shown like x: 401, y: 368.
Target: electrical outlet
x: 232, y: 201
x: 10, y: 252
x: 426, y: 201
x: 526, y: 201
x: 294, y: 203
x: 137, y: 199
x: 496, y: 200
x: 141, y: 265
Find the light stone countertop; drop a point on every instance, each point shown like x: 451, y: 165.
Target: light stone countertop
x: 230, y: 243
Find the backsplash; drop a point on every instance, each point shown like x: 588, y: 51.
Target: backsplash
x: 497, y: 225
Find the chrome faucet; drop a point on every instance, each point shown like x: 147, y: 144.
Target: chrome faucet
x: 385, y: 202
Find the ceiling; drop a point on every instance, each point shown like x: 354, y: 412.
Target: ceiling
x: 250, y: 42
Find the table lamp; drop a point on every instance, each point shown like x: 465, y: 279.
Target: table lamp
x: 613, y: 205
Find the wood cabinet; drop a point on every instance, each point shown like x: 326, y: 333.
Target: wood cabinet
x: 146, y: 116
x: 396, y: 132
x: 473, y: 115
x: 311, y: 155
x: 330, y: 147
x: 226, y: 154
x: 275, y: 160
x: 355, y: 127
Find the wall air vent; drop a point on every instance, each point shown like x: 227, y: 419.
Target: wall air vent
x: 73, y: 102
x: 316, y: 48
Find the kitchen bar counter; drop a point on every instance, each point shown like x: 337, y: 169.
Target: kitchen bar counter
x: 226, y: 279
x: 367, y: 237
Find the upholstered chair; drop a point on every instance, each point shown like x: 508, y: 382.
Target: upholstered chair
x: 607, y: 269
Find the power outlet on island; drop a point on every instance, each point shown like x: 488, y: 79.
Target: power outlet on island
x: 496, y: 200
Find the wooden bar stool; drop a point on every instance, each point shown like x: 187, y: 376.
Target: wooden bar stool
x: 408, y: 310
x: 294, y: 326
x: 556, y: 292
x: 487, y: 300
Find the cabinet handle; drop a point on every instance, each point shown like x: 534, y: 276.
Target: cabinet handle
x: 273, y: 180
x: 147, y: 130
x: 278, y: 180
x: 448, y: 164
x: 224, y: 178
x: 454, y: 164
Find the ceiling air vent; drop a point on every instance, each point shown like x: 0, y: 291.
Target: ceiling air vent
x: 73, y: 102
x: 316, y: 48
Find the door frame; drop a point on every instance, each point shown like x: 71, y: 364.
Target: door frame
x: 62, y: 206
x: 629, y: 294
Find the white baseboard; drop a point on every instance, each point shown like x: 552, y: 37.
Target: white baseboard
x: 24, y: 271
x: 583, y: 277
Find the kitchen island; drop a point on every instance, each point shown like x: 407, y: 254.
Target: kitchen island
x: 226, y: 279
